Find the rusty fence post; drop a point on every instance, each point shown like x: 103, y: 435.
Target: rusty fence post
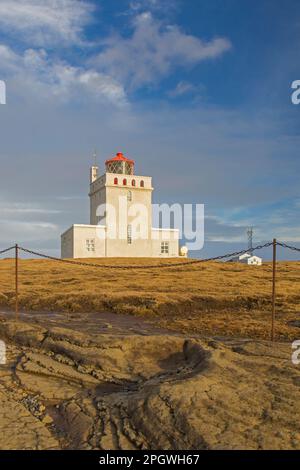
x: 273, y: 290
x: 17, y: 280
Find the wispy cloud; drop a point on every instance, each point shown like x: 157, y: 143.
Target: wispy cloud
x: 268, y: 220
x: 153, y: 51
x: 161, y: 6
x: 35, y: 73
x: 45, y: 22
x: 25, y: 208
x: 15, y: 230
x: 184, y: 88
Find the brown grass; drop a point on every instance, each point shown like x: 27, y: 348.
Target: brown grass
x: 211, y: 298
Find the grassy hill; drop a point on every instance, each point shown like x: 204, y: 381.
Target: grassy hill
x: 211, y: 298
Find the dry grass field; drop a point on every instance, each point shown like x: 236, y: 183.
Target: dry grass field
x: 219, y: 299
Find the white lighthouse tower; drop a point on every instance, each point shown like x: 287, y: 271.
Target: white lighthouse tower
x: 115, y: 198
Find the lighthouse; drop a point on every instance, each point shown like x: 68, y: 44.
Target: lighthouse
x: 120, y: 217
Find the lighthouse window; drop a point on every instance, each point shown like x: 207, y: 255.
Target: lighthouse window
x: 133, y: 183
x: 129, y: 234
x: 116, y: 181
x: 90, y: 244
x: 115, y: 167
x: 124, y: 181
x: 142, y: 184
x: 129, y: 196
x: 128, y: 168
x: 164, y: 249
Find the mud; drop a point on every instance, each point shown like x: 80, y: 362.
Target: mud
x: 111, y: 382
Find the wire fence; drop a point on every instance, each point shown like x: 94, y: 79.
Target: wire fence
x: 285, y: 245
x: 234, y: 256
x: 7, y: 250
x: 181, y: 264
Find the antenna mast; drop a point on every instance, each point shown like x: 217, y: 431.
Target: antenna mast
x: 250, y: 238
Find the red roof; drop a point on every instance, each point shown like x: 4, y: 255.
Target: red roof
x: 120, y: 158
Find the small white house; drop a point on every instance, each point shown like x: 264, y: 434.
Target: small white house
x: 243, y: 258
x: 255, y: 260
x: 246, y: 258
x: 250, y: 259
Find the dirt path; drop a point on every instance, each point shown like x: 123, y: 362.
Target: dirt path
x: 91, y: 323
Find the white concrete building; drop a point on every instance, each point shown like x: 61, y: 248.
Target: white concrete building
x: 246, y: 258
x: 115, y: 197
x: 252, y: 260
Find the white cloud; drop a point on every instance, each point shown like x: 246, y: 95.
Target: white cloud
x: 184, y: 88
x: 231, y: 226
x: 42, y: 22
x: 24, y: 208
x: 153, y: 51
x: 36, y: 75
x: 12, y: 230
x: 70, y: 79
x: 165, y: 6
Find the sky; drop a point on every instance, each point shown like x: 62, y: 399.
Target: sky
x: 197, y: 92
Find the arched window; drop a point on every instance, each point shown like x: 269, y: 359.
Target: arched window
x: 133, y: 183
x: 142, y: 184
x: 129, y: 234
x: 124, y: 181
x: 116, y: 181
x: 129, y: 196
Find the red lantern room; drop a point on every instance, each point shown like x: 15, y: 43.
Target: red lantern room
x: 120, y: 165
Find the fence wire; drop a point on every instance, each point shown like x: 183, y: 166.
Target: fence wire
x: 7, y: 249
x: 285, y: 245
x: 149, y: 266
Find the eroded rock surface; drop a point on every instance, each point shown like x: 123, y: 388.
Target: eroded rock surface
x: 63, y: 388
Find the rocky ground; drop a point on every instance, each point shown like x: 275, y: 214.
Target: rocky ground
x: 115, y: 382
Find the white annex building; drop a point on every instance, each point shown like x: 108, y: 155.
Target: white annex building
x: 250, y: 259
x: 247, y: 258
x: 116, y: 187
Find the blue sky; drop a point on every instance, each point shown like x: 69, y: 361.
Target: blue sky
x: 198, y: 92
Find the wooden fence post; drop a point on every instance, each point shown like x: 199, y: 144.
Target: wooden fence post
x: 273, y: 290
x: 17, y: 281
